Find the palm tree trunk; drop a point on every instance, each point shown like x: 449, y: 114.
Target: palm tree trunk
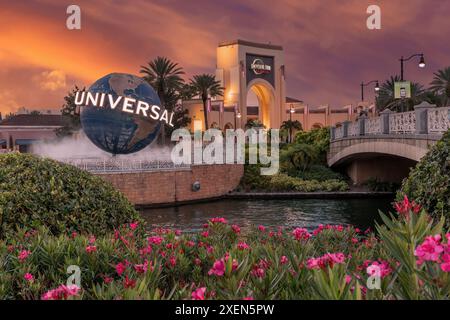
x: 163, y: 128
x: 205, y: 113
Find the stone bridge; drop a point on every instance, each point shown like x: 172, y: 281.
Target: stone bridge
x: 387, y: 146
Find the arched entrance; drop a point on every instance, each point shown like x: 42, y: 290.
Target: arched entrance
x: 260, y: 101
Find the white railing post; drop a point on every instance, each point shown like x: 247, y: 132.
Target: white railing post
x: 384, y: 118
x: 362, y: 124
x: 422, y: 117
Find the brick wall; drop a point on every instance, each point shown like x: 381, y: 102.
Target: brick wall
x: 147, y: 188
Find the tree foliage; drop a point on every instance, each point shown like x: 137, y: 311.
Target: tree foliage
x: 429, y: 182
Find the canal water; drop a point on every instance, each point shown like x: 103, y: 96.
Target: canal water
x: 307, y: 213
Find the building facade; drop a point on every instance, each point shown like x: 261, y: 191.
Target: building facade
x: 21, y: 131
x: 253, y: 77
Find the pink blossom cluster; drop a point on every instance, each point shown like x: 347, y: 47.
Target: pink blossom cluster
x: 218, y: 268
x: 378, y: 268
x: 322, y: 227
x: 432, y: 249
x: 327, y: 260
x: 301, y: 234
x: 404, y: 207
x: 218, y: 220
x: 62, y: 292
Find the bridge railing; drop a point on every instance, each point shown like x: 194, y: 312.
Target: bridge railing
x: 425, y: 119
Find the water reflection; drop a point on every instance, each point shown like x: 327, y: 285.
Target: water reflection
x: 308, y: 213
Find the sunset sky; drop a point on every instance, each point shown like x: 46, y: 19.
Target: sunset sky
x: 328, y: 48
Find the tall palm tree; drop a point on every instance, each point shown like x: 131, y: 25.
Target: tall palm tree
x: 441, y: 85
x: 291, y: 125
x: 386, y: 99
x: 164, y: 76
x: 206, y: 86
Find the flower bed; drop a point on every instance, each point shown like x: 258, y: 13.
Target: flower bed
x: 408, y: 259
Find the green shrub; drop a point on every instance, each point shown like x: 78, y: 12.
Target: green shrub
x: 283, y: 182
x: 317, y: 172
x: 375, y: 185
x: 429, y: 182
x: 36, y: 191
x: 319, y: 138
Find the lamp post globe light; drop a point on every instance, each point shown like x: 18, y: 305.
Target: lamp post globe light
x: 402, y: 61
x: 377, y: 87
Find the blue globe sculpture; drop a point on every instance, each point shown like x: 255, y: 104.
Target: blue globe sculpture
x: 113, y: 130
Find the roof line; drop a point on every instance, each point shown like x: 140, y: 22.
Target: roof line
x: 250, y: 44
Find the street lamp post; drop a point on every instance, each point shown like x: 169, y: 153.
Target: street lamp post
x: 237, y: 115
x: 377, y: 87
x: 291, y: 111
x: 402, y: 60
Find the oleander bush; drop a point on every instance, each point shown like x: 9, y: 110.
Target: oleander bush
x: 408, y: 259
x: 42, y: 192
x: 429, y: 181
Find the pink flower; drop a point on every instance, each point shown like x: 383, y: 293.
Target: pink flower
x: 429, y: 250
x: 205, y: 234
x: 258, y: 272
x: 23, y: 255
x: 120, y: 268
x: 284, y: 260
x: 91, y: 248
x: 348, y: 279
x: 380, y: 269
x: 243, y: 246
x: 218, y: 268
x: 177, y: 232
x: 301, y: 234
x: 190, y: 244
x: 445, y: 266
x: 248, y: 298
x: 404, y: 207
x: 134, y: 225
x: 327, y: 260
x: 197, y: 261
x: 236, y: 229
x: 129, y: 283
x: 154, y: 240
x: 62, y: 292
x: 107, y: 279
x: 218, y: 220
x: 199, y: 294
x: 91, y: 239
x: 261, y: 228
x: 173, y: 261
x: 28, y: 276
x: 141, y: 268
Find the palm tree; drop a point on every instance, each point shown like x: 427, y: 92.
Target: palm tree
x: 291, y: 125
x: 386, y: 99
x: 164, y: 76
x: 299, y: 156
x: 206, y: 86
x: 441, y: 85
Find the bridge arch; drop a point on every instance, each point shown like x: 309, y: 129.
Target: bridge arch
x: 397, y: 149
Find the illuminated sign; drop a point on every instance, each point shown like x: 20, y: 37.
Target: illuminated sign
x: 124, y: 104
x: 402, y: 90
x: 259, y: 67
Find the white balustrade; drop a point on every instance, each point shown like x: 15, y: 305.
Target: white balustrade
x: 373, y: 126
x: 438, y: 120
x: 353, y: 129
x: 404, y: 122
x: 339, y: 133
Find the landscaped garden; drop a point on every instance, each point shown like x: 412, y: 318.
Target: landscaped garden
x: 303, y: 167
